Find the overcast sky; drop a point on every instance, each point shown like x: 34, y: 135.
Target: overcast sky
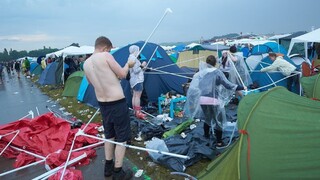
x: 32, y: 24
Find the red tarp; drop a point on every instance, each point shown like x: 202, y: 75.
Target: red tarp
x: 47, y: 136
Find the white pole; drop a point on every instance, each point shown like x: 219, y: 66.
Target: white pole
x: 89, y: 146
x: 168, y: 10
x: 27, y: 152
x: 94, y: 115
x: 269, y: 76
x: 69, y: 155
x: 51, y: 172
x: 139, y: 148
x: 37, y: 111
x: 17, y: 132
x: 152, y: 55
x: 23, y: 167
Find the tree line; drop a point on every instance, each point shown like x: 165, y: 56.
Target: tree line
x: 14, y: 54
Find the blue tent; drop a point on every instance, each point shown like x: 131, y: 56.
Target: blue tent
x: 33, y: 65
x: 48, y: 76
x: 155, y: 83
x: 263, y: 79
x: 179, y: 48
x: 268, y: 47
x: 86, y: 93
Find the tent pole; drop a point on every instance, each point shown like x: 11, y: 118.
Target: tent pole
x: 168, y: 10
x: 269, y: 77
x: 152, y: 56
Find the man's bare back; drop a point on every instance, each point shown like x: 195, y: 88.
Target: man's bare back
x: 103, y: 72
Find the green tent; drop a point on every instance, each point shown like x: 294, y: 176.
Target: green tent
x: 311, y: 86
x: 279, y: 139
x: 37, y: 71
x: 72, y: 84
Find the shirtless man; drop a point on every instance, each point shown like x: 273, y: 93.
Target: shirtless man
x: 103, y: 72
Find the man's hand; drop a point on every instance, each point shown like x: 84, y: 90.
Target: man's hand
x: 130, y: 63
x: 245, y: 88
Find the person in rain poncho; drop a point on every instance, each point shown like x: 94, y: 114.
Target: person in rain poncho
x: 225, y: 65
x: 240, y: 67
x: 207, y: 96
x: 136, y: 80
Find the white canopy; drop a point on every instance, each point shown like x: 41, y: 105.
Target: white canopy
x: 276, y: 37
x: 313, y: 36
x: 72, y: 50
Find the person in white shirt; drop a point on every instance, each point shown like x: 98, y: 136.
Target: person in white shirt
x: 287, y: 69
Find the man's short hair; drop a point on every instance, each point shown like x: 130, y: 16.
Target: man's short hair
x: 102, y: 42
x: 211, y: 60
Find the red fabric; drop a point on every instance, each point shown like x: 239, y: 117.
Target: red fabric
x: 69, y: 174
x: 46, y: 135
x: 244, y: 132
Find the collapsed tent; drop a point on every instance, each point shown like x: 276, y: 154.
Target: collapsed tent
x: 161, y: 77
x: 311, y: 86
x: 72, y: 84
x: 270, y: 78
x: 48, y: 137
x: 273, y: 144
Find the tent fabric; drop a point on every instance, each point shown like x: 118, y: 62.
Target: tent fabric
x: 47, y: 77
x: 311, y: 86
x: 47, y: 136
x: 155, y: 83
x: 263, y: 79
x: 298, y: 59
x: 313, y: 36
x: 72, y: 84
x: 282, y: 145
x: 37, y: 70
x: 268, y: 47
x: 33, y: 65
x: 72, y: 50
x: 216, y: 47
x: 253, y: 60
x: 86, y: 93
x: 59, y: 71
x: 82, y: 89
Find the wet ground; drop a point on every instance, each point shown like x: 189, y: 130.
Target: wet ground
x: 17, y: 98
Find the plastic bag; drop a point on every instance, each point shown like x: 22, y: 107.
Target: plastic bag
x: 156, y: 144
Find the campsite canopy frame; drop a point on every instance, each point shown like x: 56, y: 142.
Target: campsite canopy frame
x: 313, y: 36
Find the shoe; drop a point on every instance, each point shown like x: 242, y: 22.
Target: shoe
x: 220, y: 144
x: 108, y: 169
x: 121, y: 175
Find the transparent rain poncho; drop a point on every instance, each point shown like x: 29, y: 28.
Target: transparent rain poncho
x: 242, y: 69
x: 136, y: 73
x: 209, y: 87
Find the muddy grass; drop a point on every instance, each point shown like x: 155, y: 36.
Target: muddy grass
x: 139, y: 159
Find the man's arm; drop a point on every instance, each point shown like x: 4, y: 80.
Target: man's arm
x: 272, y: 67
x: 117, y: 69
